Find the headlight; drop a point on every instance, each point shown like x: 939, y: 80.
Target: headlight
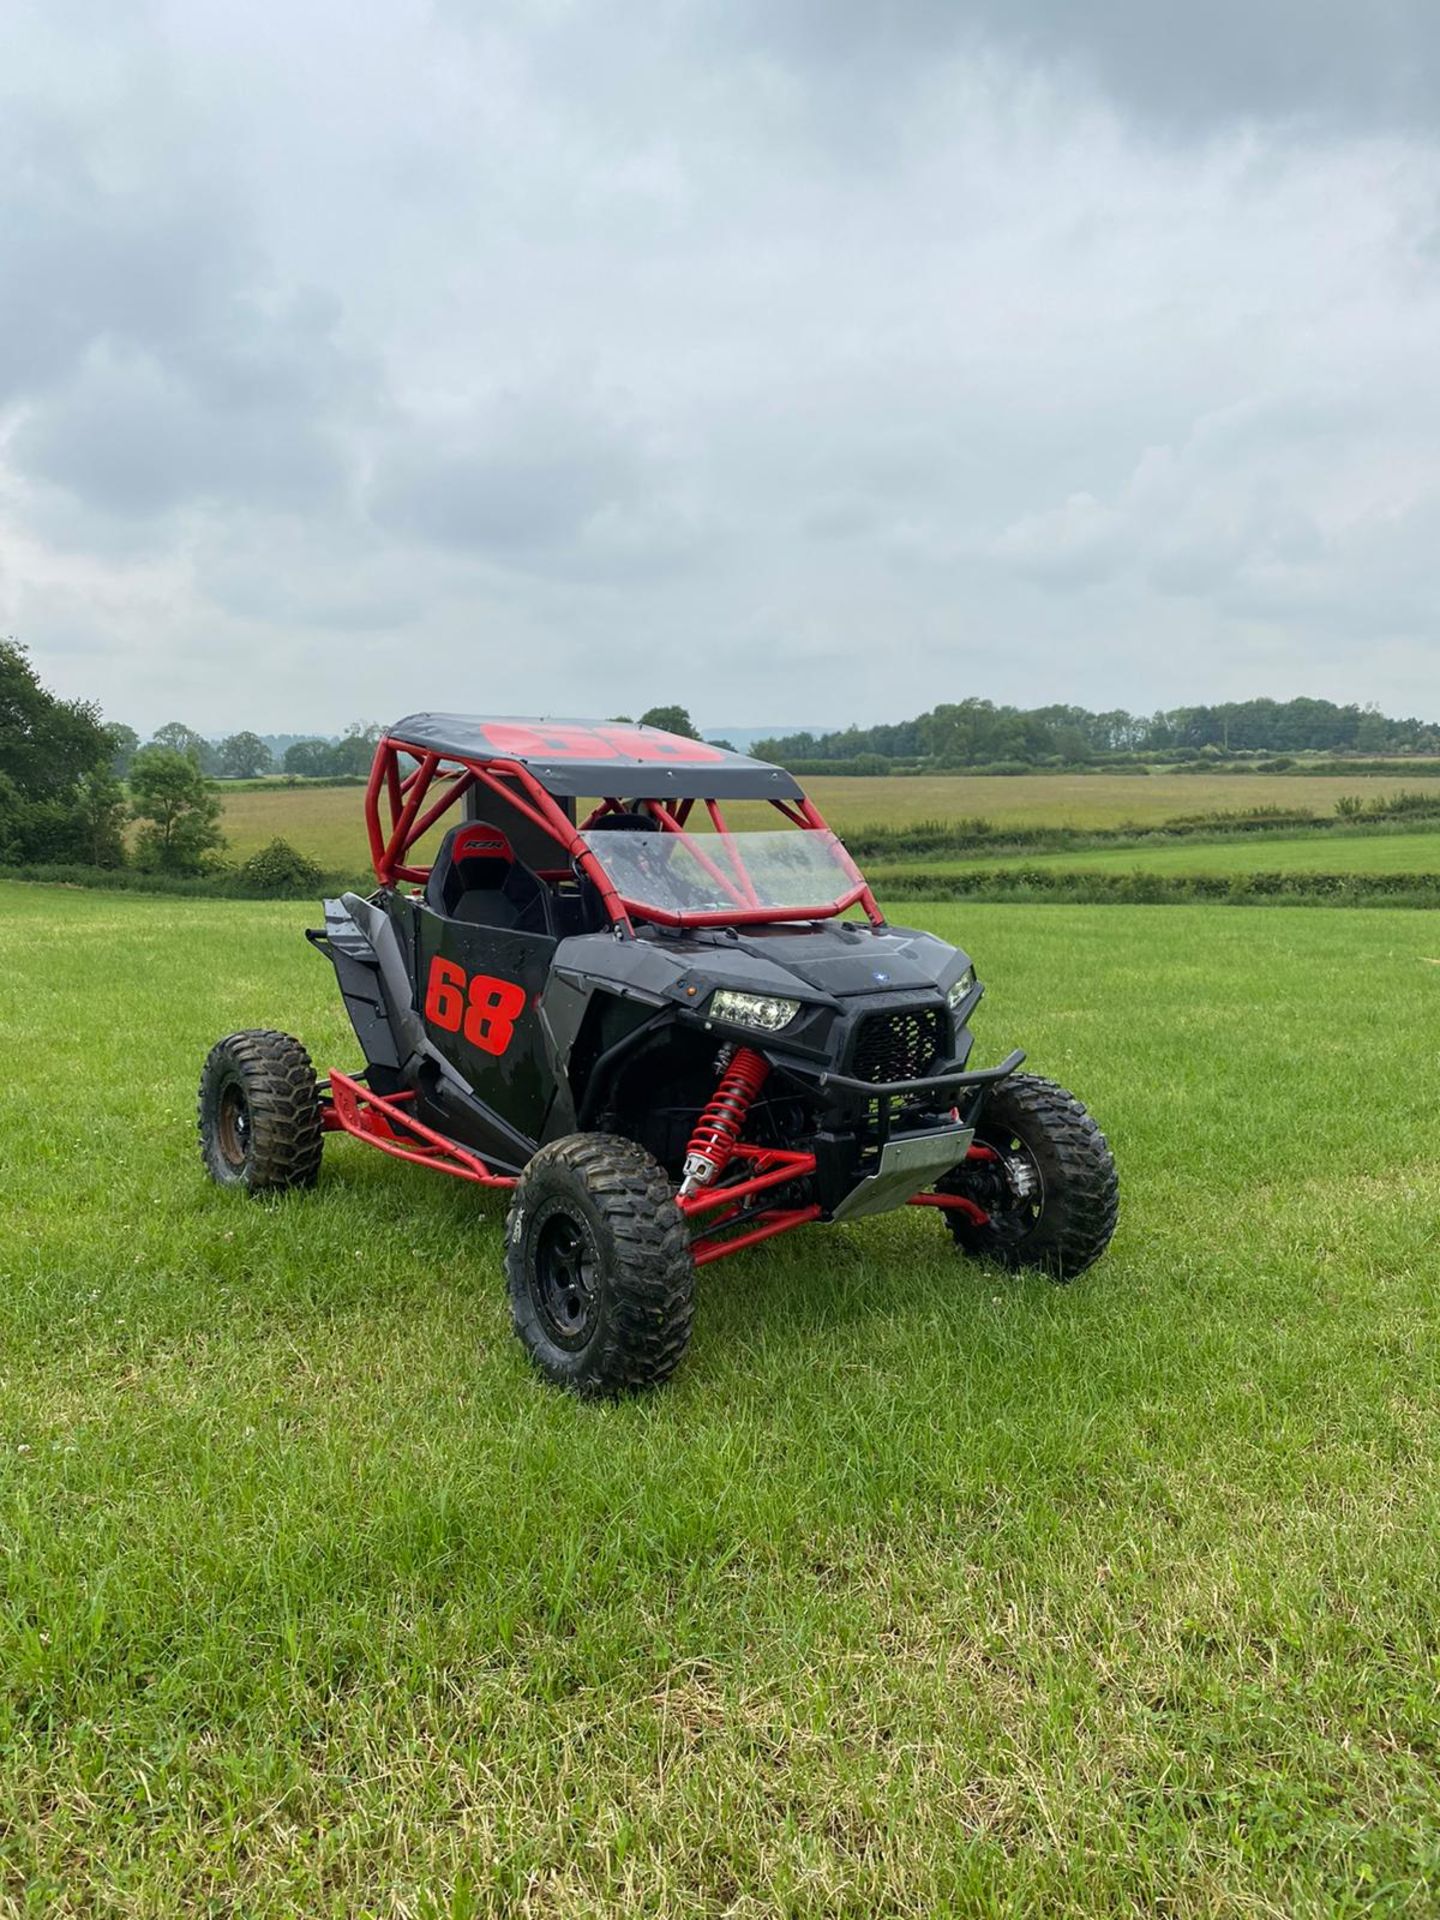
x: 960, y: 989
x: 760, y: 1010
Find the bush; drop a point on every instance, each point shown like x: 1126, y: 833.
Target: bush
x: 1404, y: 802
x: 281, y: 871
x: 12, y: 808
x: 864, y: 766
x: 1139, y: 888
x: 216, y: 883
x: 86, y: 828
x: 879, y: 841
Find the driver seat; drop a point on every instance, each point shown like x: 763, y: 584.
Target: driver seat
x: 476, y: 878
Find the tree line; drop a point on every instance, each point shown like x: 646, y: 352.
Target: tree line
x: 247, y: 756
x: 972, y: 733
x: 78, y: 791
x: 61, y: 799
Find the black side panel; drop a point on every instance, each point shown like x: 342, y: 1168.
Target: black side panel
x: 358, y: 972
x: 477, y: 989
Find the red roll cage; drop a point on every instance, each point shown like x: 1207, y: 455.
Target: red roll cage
x: 402, y: 805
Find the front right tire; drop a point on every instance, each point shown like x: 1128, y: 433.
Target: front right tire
x: 1048, y: 1183
x: 597, y: 1255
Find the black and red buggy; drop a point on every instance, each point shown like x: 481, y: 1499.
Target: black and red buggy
x: 669, y: 1035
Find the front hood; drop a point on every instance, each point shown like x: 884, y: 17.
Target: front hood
x: 835, y: 962
x: 844, y: 960
x: 838, y: 961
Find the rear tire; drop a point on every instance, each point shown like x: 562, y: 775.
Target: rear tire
x: 597, y: 1255
x: 259, y: 1113
x: 1052, y: 1194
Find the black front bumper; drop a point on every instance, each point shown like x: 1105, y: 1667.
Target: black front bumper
x: 861, y: 1118
x: 938, y: 1083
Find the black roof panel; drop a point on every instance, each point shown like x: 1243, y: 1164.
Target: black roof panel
x: 600, y: 757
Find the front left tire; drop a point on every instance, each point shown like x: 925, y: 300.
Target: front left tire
x: 597, y: 1255
x: 259, y: 1113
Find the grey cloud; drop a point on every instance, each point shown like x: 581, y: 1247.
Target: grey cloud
x: 1299, y: 514
x: 880, y: 353
x: 1327, y: 61
x: 146, y: 362
x: 1078, y: 542
x: 520, y: 479
x: 83, y: 262
x: 135, y: 436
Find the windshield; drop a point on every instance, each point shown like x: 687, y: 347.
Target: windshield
x: 722, y: 876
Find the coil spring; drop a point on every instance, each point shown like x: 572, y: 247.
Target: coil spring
x: 718, y: 1128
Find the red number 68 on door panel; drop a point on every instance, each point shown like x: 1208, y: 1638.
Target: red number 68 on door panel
x: 478, y: 1005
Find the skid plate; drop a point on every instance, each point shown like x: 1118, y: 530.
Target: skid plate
x: 907, y: 1166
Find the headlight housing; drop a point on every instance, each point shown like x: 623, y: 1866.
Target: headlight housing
x: 960, y: 990
x: 763, y: 1011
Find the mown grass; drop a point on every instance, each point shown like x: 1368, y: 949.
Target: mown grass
x: 923, y: 1590
x: 327, y: 823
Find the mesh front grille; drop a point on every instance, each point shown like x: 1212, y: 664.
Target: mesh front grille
x: 897, y: 1046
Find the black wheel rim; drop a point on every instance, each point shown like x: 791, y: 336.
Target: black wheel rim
x: 1010, y: 1187
x: 232, y: 1127
x: 566, y: 1269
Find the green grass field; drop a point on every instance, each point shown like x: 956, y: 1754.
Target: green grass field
x: 327, y: 822
x: 923, y: 1590
x: 1334, y: 852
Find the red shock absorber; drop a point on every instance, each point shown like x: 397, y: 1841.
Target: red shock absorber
x: 718, y: 1128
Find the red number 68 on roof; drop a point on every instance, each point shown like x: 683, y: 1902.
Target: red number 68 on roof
x: 565, y: 741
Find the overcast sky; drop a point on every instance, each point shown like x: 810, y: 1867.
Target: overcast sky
x: 800, y: 360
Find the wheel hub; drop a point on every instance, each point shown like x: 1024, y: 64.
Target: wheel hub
x: 1022, y: 1176
x: 233, y: 1126
x: 1017, y: 1174
x: 1007, y: 1183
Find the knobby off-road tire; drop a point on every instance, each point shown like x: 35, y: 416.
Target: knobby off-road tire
x: 259, y: 1113
x: 1052, y: 1196
x: 597, y: 1255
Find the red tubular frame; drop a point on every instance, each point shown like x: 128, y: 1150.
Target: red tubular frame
x: 775, y: 1165
x: 704, y: 1251
x: 409, y: 820
x: 952, y: 1203
x: 407, y: 824
x: 381, y: 1120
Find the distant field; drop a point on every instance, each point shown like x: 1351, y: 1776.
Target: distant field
x: 327, y: 824
x: 1312, y: 853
